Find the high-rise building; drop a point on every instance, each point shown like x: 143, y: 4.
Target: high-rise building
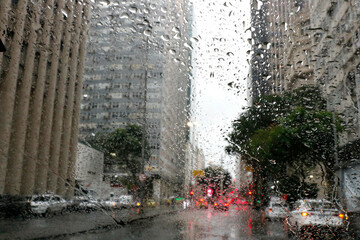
x: 335, y: 41
x: 281, y: 44
x: 260, y: 78
x: 137, y: 72
x: 40, y: 89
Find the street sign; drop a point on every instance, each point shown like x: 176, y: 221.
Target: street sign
x: 142, y: 177
x: 198, y: 173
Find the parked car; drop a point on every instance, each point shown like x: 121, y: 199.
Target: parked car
x: 109, y: 204
x: 126, y: 201
x: 310, y: 216
x: 47, y: 204
x: 88, y: 204
x: 276, y: 209
x: 150, y: 203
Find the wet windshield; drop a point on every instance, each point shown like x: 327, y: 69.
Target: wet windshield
x: 179, y: 119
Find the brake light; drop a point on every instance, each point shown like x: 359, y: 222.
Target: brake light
x: 341, y: 215
x: 270, y: 210
x: 215, y: 204
x: 304, y: 214
x: 226, y: 204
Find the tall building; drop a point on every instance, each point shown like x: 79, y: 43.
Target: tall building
x: 260, y: 79
x: 137, y: 72
x: 336, y: 47
x: 40, y: 90
x: 281, y: 45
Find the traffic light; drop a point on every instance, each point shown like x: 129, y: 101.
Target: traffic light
x: 250, y: 193
x: 191, y: 192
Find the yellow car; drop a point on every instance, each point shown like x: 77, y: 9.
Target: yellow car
x: 150, y: 203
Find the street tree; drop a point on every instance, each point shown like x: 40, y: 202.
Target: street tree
x: 123, y: 148
x: 284, y: 136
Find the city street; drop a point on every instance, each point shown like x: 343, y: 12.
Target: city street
x: 155, y: 223
x: 237, y: 223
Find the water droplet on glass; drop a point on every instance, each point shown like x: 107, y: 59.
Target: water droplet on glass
x: 147, y: 33
x: 124, y: 15
x: 133, y: 9
x: 165, y: 38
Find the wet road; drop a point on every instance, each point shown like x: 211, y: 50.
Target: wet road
x: 237, y: 223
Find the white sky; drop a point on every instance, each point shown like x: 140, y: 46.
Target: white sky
x: 219, y: 57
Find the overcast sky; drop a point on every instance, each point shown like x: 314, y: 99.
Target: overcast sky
x: 219, y: 58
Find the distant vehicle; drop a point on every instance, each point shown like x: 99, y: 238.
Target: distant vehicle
x: 276, y: 209
x: 150, y: 202
x: 47, y: 204
x: 126, y: 201
x: 241, y: 201
x: 88, y: 204
x: 109, y: 204
x: 186, y: 203
x: 221, y: 205
x: 202, y: 203
x: 312, y: 215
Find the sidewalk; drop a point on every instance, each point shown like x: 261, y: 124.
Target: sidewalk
x: 71, y: 223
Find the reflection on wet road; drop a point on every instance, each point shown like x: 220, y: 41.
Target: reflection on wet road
x: 237, y: 223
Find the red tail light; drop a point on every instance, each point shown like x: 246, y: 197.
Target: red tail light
x: 341, y: 215
x: 215, y: 204
x: 270, y: 210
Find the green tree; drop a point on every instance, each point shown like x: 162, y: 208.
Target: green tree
x: 213, y: 178
x: 282, y: 132
x: 123, y: 147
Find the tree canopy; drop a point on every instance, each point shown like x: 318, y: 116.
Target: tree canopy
x: 281, y: 132
x: 122, y: 147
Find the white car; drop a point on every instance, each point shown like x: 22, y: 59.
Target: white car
x: 312, y: 215
x: 276, y: 209
x: 109, y: 204
x: 47, y: 204
x: 126, y: 201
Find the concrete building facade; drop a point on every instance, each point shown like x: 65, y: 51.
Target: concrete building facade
x: 137, y: 72
x: 40, y: 89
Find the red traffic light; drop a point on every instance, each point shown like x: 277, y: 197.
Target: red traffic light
x: 250, y: 192
x: 191, y: 192
x: 284, y: 196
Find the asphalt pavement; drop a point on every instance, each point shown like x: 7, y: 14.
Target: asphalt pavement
x: 158, y: 223
x: 196, y: 224
x: 75, y: 222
